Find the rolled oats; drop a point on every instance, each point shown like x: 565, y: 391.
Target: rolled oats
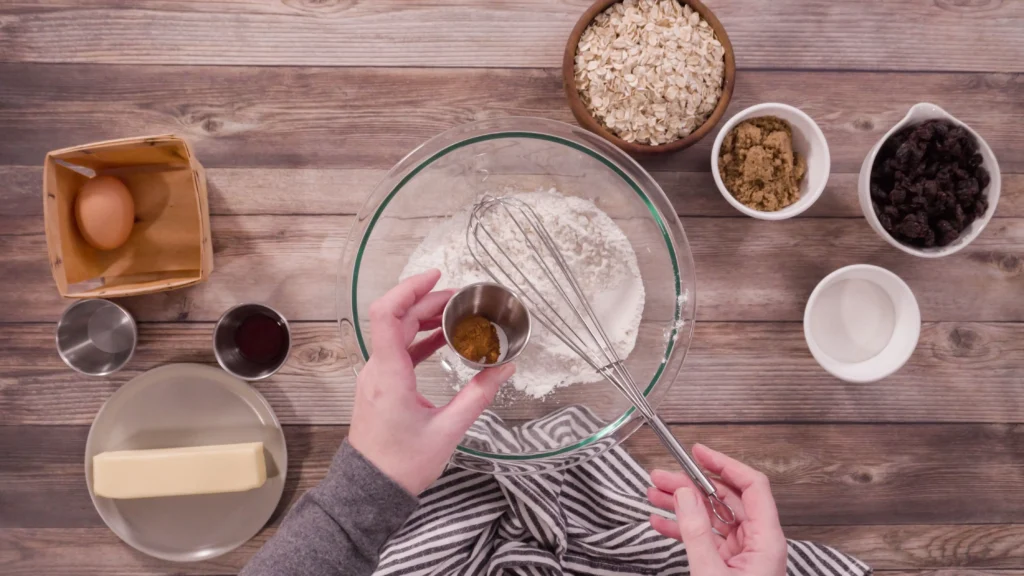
x: 651, y: 71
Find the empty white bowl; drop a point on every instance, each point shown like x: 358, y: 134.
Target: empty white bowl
x: 920, y: 113
x: 862, y: 323
x: 808, y: 141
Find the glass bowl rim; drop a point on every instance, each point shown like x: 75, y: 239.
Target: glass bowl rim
x: 441, y: 145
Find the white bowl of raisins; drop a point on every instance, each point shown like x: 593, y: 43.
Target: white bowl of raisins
x: 930, y: 185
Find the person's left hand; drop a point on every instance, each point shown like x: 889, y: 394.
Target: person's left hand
x: 393, y: 425
x: 753, y: 546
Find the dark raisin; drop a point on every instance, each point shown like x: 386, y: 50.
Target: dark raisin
x: 983, y: 177
x: 946, y: 238
x: 929, y: 238
x: 980, y: 207
x: 916, y: 187
x: 913, y: 226
x: 943, y: 202
x: 925, y: 131
x: 970, y: 146
x: 909, y: 154
x: 920, y: 203
x: 878, y: 194
x: 967, y: 191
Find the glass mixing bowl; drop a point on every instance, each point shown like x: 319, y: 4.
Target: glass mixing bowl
x: 520, y: 434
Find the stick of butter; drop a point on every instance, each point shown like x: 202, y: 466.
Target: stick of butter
x: 179, y: 471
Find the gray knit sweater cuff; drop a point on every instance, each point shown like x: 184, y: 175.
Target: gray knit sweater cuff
x: 367, y: 504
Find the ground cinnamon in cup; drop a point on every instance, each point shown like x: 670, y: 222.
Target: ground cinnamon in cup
x: 476, y: 339
x: 758, y: 165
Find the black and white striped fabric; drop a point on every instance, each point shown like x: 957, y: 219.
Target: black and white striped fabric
x: 589, y: 519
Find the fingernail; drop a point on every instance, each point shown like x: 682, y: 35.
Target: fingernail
x: 685, y: 501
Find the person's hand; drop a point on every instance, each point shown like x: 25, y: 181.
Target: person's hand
x: 393, y: 425
x: 754, y: 546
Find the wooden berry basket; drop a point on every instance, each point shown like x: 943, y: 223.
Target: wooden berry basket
x: 169, y: 246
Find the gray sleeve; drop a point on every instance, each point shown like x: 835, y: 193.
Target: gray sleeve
x: 339, y: 527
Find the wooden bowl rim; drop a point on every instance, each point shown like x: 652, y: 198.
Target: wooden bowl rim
x: 583, y: 116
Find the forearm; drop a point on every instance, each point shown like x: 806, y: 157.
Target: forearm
x: 339, y: 527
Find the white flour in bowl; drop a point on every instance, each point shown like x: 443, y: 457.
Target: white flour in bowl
x: 599, y: 255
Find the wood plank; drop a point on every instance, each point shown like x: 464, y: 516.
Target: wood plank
x: 317, y: 373
x: 800, y: 34
x: 894, y: 468
x: 370, y: 118
x: 822, y: 475
x: 288, y: 262
x: 747, y: 269
x: 340, y: 191
x: 915, y: 547
x: 742, y: 372
x: 73, y: 551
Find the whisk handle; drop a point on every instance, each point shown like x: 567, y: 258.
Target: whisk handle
x: 664, y: 433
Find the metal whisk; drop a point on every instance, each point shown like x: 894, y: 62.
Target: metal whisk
x: 542, y: 276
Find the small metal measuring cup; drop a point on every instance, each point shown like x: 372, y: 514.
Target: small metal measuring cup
x: 501, y: 307
x: 230, y: 356
x: 96, y: 337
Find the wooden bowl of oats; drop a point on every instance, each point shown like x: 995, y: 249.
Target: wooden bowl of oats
x: 649, y: 90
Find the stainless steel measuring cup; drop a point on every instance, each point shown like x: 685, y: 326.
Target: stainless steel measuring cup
x: 96, y: 337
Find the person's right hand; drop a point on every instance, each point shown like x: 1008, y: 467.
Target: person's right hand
x: 753, y: 546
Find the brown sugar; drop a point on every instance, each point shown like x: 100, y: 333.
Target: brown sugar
x: 476, y: 339
x: 758, y: 165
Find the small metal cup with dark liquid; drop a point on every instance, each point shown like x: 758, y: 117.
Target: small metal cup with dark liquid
x: 251, y: 341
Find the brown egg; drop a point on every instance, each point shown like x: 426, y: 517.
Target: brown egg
x: 105, y: 212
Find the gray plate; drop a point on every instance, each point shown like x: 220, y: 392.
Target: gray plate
x: 188, y: 405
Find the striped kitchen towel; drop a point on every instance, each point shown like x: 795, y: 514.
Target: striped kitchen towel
x: 588, y: 519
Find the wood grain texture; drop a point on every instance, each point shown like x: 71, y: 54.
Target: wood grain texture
x: 800, y: 34
x: 899, y: 481
x: 918, y: 475
x: 734, y: 372
x: 910, y: 547
x: 340, y: 191
x: 821, y: 474
x: 370, y: 118
x: 317, y: 373
x: 73, y: 551
x: 747, y: 269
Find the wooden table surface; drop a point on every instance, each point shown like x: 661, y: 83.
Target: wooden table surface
x: 298, y: 107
